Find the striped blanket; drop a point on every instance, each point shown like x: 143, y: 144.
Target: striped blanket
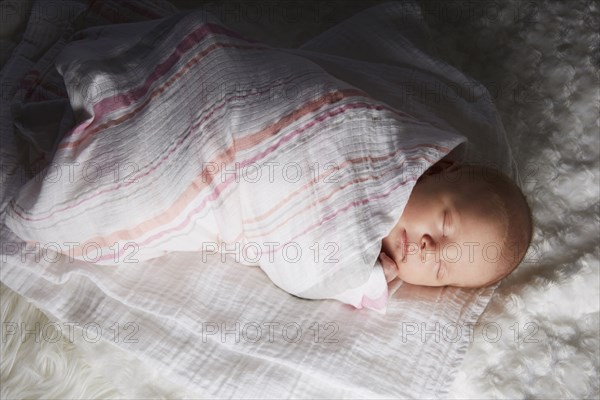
x: 124, y: 132
x: 189, y: 137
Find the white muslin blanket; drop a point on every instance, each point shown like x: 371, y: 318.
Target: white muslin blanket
x: 191, y: 138
x: 174, y: 153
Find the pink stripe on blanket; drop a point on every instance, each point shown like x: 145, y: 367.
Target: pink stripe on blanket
x: 202, y: 180
x: 125, y: 117
x: 213, y: 196
x: 321, y: 200
x: 335, y: 214
x: 324, y: 175
x: 241, y: 144
x: 377, y: 303
x: 122, y: 100
x: 176, y: 208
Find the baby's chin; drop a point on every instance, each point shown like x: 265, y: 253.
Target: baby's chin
x: 407, y: 278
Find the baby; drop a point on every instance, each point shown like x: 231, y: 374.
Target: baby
x: 464, y: 225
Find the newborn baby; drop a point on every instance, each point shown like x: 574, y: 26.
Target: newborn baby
x: 464, y: 225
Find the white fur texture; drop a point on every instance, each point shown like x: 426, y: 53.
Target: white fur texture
x: 540, y: 60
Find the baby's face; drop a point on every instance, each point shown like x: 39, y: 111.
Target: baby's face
x: 446, y: 236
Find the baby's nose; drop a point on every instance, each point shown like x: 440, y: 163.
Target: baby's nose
x: 427, y: 248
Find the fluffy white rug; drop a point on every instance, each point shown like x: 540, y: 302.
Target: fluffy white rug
x: 539, y: 337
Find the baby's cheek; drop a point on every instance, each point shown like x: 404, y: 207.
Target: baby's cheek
x: 451, y: 251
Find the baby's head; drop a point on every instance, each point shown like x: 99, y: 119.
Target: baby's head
x: 463, y: 225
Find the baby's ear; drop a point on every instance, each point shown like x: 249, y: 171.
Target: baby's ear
x: 444, y: 165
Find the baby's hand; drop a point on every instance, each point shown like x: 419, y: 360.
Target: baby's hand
x: 389, y: 267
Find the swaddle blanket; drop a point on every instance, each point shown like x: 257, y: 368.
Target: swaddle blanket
x: 178, y: 299
x: 189, y: 137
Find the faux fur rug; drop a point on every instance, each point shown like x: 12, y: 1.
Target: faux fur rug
x: 539, y: 337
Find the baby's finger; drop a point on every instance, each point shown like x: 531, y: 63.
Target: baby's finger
x: 389, y: 267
